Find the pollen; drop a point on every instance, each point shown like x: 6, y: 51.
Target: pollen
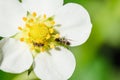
x: 38, y: 32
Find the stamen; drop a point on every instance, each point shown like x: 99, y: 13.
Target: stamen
x: 57, y: 35
x: 20, y: 28
x: 52, y: 45
x: 32, y: 48
x: 48, y: 36
x: 42, y: 49
x: 42, y: 24
x: 34, y: 14
x: 21, y: 39
x: 44, y: 16
x: 24, y: 19
x: 52, y: 22
x: 31, y: 20
x: 38, y: 32
x: 27, y: 25
x: 29, y: 34
x: 51, y: 30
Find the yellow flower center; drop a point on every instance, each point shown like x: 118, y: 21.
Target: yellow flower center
x: 38, y: 32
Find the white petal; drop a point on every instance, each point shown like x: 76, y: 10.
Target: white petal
x: 75, y: 23
x: 56, y: 65
x: 16, y: 56
x: 11, y: 14
x: 42, y: 6
x: 2, y: 42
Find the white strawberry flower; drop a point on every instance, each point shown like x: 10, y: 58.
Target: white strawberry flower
x: 39, y: 37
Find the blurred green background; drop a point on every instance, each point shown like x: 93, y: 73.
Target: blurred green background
x: 99, y: 57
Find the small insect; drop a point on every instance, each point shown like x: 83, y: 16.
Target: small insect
x: 63, y: 41
x: 38, y: 44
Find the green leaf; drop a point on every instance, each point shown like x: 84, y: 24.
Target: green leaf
x: 31, y: 69
x: 1, y: 37
x: 20, y: 1
x: 28, y: 13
